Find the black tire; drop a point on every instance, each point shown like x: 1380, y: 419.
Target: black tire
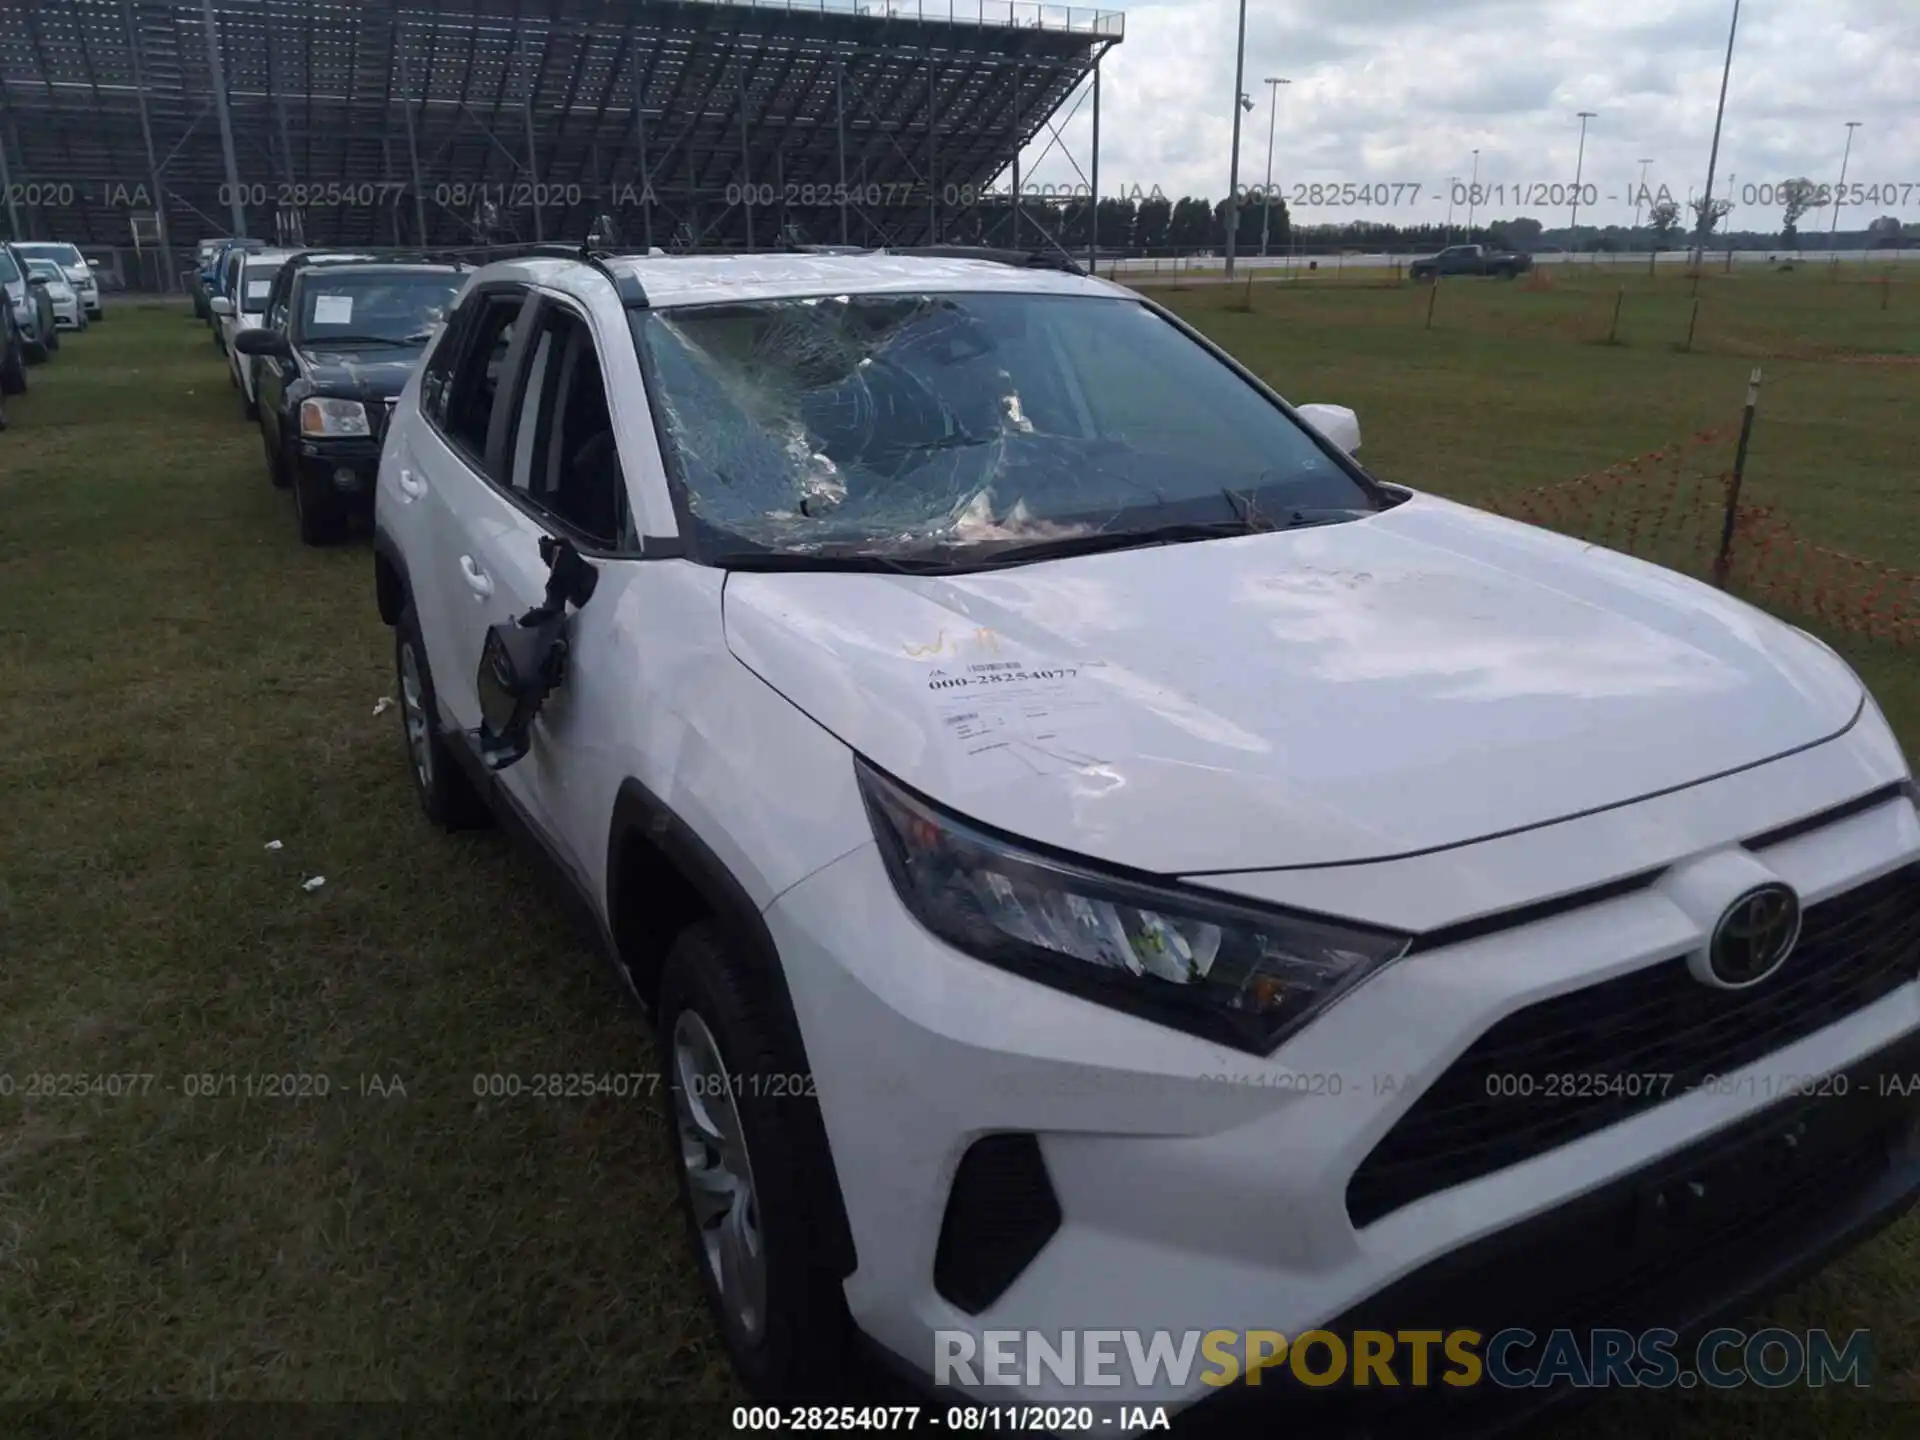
x: 276, y: 465
x: 802, y: 1350
x: 13, y: 370
x: 53, y: 342
x: 35, y: 351
x: 98, y: 317
x: 251, y: 408
x: 321, y: 513
x: 446, y: 794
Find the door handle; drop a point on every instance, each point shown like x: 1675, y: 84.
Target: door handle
x: 477, y: 579
x: 411, y: 485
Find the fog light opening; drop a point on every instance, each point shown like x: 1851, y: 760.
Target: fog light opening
x: 345, y: 479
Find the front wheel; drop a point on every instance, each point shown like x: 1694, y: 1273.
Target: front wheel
x: 753, y: 1171
x: 447, y: 796
x: 321, y: 513
x: 13, y: 370
x: 53, y: 342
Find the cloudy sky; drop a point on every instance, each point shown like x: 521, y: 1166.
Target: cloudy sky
x: 1402, y: 91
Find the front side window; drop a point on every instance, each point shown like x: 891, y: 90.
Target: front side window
x: 358, y: 307
x: 565, y: 458
x: 948, y: 427
x: 9, y: 272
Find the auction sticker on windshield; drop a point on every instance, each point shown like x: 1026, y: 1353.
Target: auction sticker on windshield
x: 333, y: 309
x: 1010, y: 717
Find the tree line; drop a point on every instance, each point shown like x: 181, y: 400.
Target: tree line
x: 1159, y: 224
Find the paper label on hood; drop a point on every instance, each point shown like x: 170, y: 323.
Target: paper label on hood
x: 1010, y: 718
x: 259, y: 289
x: 333, y: 309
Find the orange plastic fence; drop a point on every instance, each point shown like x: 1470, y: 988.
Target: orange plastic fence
x: 1670, y: 505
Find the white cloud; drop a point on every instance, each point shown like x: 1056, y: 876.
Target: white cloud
x: 1405, y: 90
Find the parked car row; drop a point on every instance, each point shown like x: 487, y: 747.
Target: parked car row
x: 320, y: 344
x: 50, y: 288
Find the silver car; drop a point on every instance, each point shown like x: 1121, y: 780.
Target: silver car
x: 32, y: 309
x: 68, y: 312
x: 77, y: 268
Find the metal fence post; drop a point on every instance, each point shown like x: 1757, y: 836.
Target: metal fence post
x: 1723, y: 561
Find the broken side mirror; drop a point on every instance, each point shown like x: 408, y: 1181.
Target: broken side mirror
x: 523, y: 662
x: 520, y: 666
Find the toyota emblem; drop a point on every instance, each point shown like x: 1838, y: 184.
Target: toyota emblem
x: 1754, y: 937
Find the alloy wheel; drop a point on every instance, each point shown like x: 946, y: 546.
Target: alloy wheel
x: 713, y: 1146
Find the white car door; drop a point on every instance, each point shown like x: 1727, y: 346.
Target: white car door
x: 436, y: 488
x: 559, y: 478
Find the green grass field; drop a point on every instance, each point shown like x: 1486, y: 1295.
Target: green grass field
x: 181, y: 682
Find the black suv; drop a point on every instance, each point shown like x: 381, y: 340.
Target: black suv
x: 342, y: 334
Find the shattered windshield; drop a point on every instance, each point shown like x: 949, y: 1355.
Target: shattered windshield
x: 956, y: 426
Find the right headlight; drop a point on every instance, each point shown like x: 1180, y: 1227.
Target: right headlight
x: 1243, y: 976
x: 333, y: 417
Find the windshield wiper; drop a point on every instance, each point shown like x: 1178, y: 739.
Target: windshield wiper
x: 1019, y: 552
x: 854, y: 561
x: 950, y: 558
x: 335, y: 341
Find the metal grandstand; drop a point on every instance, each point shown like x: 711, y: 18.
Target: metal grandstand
x: 147, y: 125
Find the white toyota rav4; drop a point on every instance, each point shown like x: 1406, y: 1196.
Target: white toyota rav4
x: 1099, y: 860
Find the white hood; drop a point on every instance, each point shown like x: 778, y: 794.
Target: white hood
x: 1423, y: 677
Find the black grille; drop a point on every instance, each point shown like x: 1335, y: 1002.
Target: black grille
x: 1000, y: 1214
x: 1567, y: 1067
x: 1778, y: 1195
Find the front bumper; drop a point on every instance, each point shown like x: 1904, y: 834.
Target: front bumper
x: 346, y: 466
x: 1200, y: 1189
x: 1793, y: 1187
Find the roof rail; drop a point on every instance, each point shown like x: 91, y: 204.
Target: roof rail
x: 372, y: 254
x: 628, y: 287
x: 1021, y: 259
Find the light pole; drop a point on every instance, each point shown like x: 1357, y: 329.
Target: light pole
x: 1840, y: 194
x: 1273, y: 84
x: 1240, y: 102
x: 1453, y: 184
x: 1640, y: 198
x: 1473, y: 194
x: 1713, y: 155
x: 1573, y: 225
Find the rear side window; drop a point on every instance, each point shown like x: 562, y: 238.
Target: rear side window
x: 9, y: 272
x: 479, y: 372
